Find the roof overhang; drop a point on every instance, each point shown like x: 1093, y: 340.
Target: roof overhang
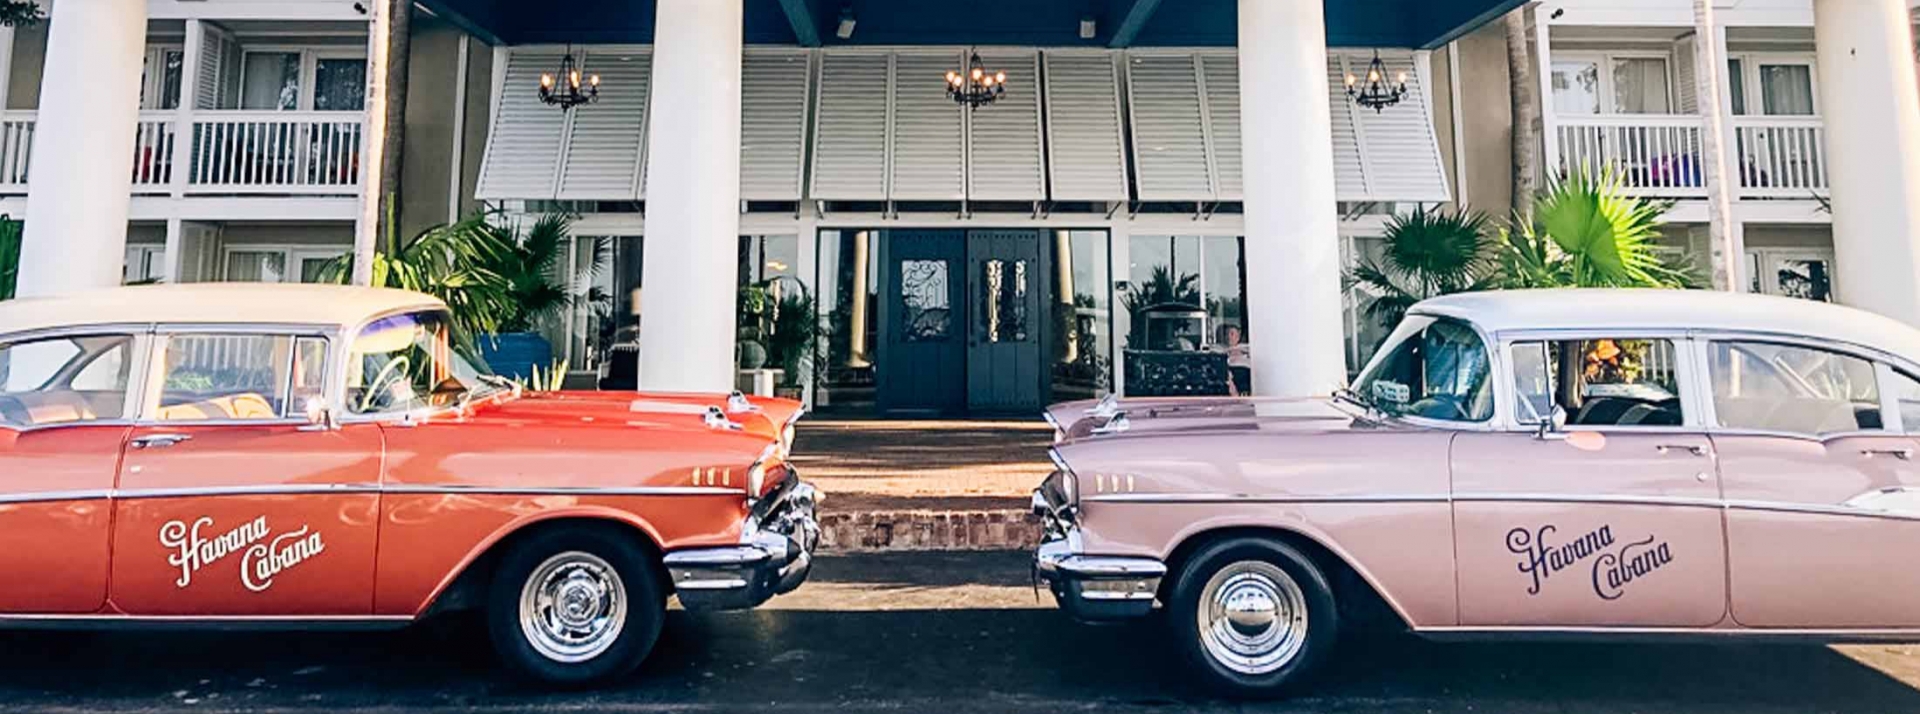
x: 1029, y: 23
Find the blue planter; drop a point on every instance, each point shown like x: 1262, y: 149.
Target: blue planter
x: 514, y: 355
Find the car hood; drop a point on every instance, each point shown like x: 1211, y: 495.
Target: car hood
x: 1121, y: 418
x: 689, y: 410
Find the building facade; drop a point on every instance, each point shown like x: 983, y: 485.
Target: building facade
x: 1160, y: 178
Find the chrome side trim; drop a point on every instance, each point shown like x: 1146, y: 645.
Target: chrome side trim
x: 1720, y: 634
x: 257, y: 490
x: 213, y: 622
x: 1251, y: 498
x: 1823, y: 510
x: 1679, y: 501
x: 55, y: 496
x: 571, y: 490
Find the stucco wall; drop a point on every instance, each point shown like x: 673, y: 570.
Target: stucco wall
x: 1486, y: 120
x: 433, y: 82
x: 1789, y: 236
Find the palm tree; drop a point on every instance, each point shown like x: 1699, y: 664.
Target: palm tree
x: 531, y: 266
x: 1708, y: 68
x: 1525, y: 108
x: 1587, y: 232
x: 454, y: 262
x: 1427, y: 253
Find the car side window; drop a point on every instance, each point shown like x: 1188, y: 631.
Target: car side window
x: 239, y: 377
x: 1620, y: 381
x: 1906, y: 397
x: 1793, y: 389
x: 64, y: 380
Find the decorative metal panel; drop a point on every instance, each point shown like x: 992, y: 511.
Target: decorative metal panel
x: 926, y: 306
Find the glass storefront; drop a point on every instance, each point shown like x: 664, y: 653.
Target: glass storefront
x: 1186, y: 309
x: 845, y: 302
x: 774, y: 319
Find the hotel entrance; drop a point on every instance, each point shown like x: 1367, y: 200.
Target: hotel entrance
x: 942, y: 322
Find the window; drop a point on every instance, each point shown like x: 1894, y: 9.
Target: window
x: 238, y: 377
x: 145, y: 263
x: 1576, y: 87
x: 1787, y: 388
x: 270, y: 81
x: 1607, y: 382
x: 64, y: 380
x: 409, y: 362
x: 1786, y: 89
x: 1437, y: 369
x: 1167, y: 272
x: 274, y: 264
x: 1906, y: 395
x: 161, y: 89
x: 340, y: 85
x: 1640, y: 86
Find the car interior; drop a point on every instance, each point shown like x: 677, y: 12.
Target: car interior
x: 86, y: 379
x: 1608, y: 382
x: 1795, y: 390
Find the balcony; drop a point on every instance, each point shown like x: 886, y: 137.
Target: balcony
x: 1777, y: 157
x: 233, y: 153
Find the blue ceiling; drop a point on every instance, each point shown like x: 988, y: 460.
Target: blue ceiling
x: 1044, y: 23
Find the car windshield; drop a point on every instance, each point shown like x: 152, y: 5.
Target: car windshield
x: 1431, y: 368
x: 411, y: 361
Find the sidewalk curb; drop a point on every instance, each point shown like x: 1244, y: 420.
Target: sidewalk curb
x: 884, y: 531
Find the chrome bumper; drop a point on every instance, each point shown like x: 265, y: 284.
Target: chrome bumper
x: 773, y: 557
x: 1092, y: 587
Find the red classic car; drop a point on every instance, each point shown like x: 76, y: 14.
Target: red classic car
x: 1578, y: 463
x: 300, y: 456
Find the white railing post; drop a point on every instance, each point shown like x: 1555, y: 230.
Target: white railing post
x: 182, y: 158
x: 1549, y: 124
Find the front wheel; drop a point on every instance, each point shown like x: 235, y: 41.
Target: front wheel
x: 1252, y: 617
x: 574, y: 607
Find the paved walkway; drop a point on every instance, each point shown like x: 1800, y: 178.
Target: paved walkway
x: 874, y: 465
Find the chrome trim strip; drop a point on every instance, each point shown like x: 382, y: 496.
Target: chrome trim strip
x: 1711, y: 632
x: 55, y: 496
x: 202, y: 618
x: 1250, y: 498
x: 1679, y: 501
x: 570, y: 490
x: 1820, y: 510
x: 253, y: 490
x: 207, y: 622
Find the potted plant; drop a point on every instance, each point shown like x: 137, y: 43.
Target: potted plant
x: 750, y: 350
x: 530, y: 266
x: 791, y: 339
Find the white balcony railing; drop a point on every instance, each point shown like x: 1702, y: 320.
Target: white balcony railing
x: 1659, y: 155
x: 236, y: 153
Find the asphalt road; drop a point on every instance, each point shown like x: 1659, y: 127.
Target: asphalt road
x: 925, y: 633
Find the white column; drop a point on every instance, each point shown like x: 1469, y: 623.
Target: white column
x: 1293, y: 240
x: 693, y: 197
x: 373, y: 142
x: 1871, y: 106
x: 82, y: 179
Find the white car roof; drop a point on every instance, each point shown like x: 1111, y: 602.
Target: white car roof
x: 212, y: 303
x: 1628, y: 309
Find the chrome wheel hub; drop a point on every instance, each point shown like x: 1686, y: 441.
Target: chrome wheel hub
x: 1252, y: 617
x: 573, y: 607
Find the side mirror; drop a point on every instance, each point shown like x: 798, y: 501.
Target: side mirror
x: 1554, y: 426
x: 320, y: 416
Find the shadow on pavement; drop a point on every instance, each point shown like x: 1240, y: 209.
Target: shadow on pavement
x: 913, y: 660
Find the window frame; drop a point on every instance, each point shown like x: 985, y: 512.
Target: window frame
x: 1753, y: 94
x: 1688, y: 373
x: 156, y: 379
x: 292, y: 256
x: 1882, y: 362
x: 1603, y: 60
x: 139, y: 356
x: 309, y: 78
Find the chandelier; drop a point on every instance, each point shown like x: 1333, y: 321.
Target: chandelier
x: 1376, y: 93
x: 569, y: 89
x: 974, y: 86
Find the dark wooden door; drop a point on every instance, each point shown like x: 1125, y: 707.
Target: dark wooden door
x: 1006, y: 285
x: 923, y: 322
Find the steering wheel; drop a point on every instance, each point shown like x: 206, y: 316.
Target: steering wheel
x: 389, y: 375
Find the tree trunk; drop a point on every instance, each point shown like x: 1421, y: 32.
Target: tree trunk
x: 1724, y: 250
x: 1526, y: 115
x: 393, y: 155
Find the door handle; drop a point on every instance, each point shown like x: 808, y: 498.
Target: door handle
x: 159, y: 441
x: 1693, y: 449
x: 1901, y: 454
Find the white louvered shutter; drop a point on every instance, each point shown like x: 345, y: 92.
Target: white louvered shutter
x: 1683, y: 77
x: 1169, y: 136
x: 1086, y: 143
x: 1398, y: 145
x: 523, y: 147
x: 1349, y: 174
x: 773, y: 123
x: 209, y: 89
x: 606, y: 143
x: 850, y: 127
x: 929, y: 151
x: 1221, y: 72
x: 1003, y: 139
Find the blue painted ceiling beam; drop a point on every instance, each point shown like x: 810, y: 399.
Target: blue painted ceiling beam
x: 800, y: 15
x: 1135, y: 20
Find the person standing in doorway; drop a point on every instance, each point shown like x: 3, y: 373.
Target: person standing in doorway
x: 1239, y: 360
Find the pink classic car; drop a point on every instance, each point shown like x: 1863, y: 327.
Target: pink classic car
x: 1581, y: 463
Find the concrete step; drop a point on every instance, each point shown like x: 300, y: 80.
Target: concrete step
x: 928, y: 530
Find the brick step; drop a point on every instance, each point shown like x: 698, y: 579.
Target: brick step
x: 928, y: 530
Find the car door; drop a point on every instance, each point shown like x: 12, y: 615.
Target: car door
x: 1612, y: 520
x: 64, y: 417
x: 1823, y: 492
x: 231, y: 501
